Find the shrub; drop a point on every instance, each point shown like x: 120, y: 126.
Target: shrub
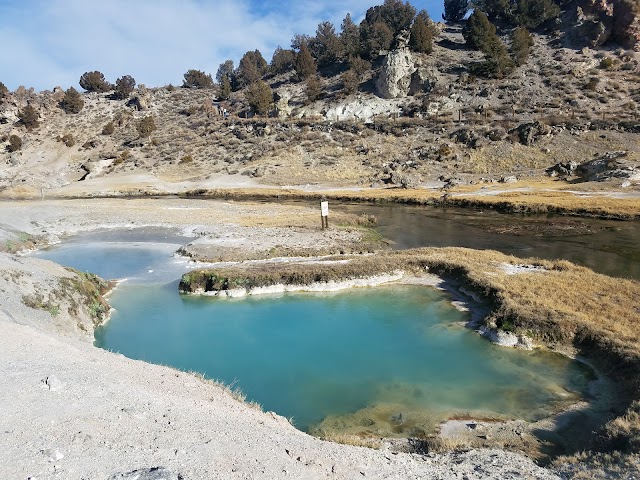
x: 72, y: 101
x: 124, y: 87
x: 108, y: 129
x: 15, y: 143
x: 67, y: 139
x: 608, y: 63
x: 359, y: 66
x: 146, y: 126
x: 95, y: 82
x: 197, y: 79
x: 259, y: 97
x: 28, y: 117
x: 349, y: 82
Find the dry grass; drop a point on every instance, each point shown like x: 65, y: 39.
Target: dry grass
x: 561, y: 305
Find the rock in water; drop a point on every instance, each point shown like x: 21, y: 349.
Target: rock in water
x: 153, y: 473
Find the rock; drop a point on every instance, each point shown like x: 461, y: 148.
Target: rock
x: 395, y: 78
x: 54, y: 383
x: 608, y: 167
x: 528, y: 133
x: 562, y: 169
x: 53, y: 454
x: 154, y: 473
x: 141, y: 99
x: 282, y: 104
x: 626, y: 25
x: 509, y: 179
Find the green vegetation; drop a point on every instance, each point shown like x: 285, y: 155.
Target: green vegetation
x: 197, y: 79
x: 29, y: 117
x: 422, y: 33
x: 124, y: 87
x: 95, y: 82
x: 251, y: 68
x: 282, y: 61
x: 521, y: 43
x: 146, y: 126
x: 259, y: 97
x: 305, y: 64
x: 313, y: 87
x: 72, y: 101
x: 15, y: 143
x: 455, y: 10
x: 108, y: 129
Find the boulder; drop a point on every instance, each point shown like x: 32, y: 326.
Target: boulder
x: 528, y: 133
x: 395, y: 78
x: 562, y: 169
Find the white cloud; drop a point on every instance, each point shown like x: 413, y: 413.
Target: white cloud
x: 156, y: 41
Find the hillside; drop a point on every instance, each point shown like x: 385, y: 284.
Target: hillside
x: 416, y: 120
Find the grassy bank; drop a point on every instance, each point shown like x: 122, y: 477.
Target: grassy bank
x: 560, y: 304
x: 535, y: 200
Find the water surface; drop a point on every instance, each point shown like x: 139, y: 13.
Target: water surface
x: 391, y: 359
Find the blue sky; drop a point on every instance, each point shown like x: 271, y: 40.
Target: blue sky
x: 48, y: 43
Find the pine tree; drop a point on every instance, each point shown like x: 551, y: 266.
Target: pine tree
x: 72, y: 101
x: 29, y: 117
x: 421, y: 38
x: 197, y: 79
x: 282, y: 61
x: 327, y: 44
x: 455, y: 10
x: 350, y: 38
x: 259, y: 97
x: 313, y: 88
x: 4, y: 91
x: 350, y: 82
x: 521, y: 43
x: 305, y: 65
x: 478, y: 31
x: 95, y: 82
x: 251, y: 68
x: 124, y: 87
x: 225, y: 88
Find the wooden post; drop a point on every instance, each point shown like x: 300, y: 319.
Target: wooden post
x: 324, y: 213
x: 459, y: 115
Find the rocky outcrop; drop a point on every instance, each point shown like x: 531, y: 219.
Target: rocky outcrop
x: 601, y: 21
x: 609, y: 167
x: 403, y: 74
x: 529, y: 133
x: 395, y: 78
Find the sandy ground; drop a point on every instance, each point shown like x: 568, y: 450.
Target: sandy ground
x: 72, y: 411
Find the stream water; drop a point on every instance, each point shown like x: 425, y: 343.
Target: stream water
x: 387, y: 360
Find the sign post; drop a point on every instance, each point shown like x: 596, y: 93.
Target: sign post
x: 324, y: 214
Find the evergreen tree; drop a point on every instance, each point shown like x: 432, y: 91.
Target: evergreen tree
x: 282, y: 61
x: 225, y: 88
x: 72, y: 101
x: 197, y: 79
x: 455, y: 10
x: 497, y: 11
x: 313, y: 88
x: 4, y: 91
x: 533, y: 13
x: 375, y: 38
x: 350, y: 82
x: 95, y: 82
x: 350, y: 38
x: 124, y: 87
x: 251, y: 68
x: 225, y: 69
x: 421, y: 38
x: 326, y: 44
x: 29, y: 117
x: 305, y: 65
x: 521, y: 43
x: 259, y: 97
x: 478, y: 31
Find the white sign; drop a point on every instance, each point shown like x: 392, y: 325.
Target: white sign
x: 324, y: 209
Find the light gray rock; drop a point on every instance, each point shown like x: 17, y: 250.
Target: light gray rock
x: 54, y: 383
x: 395, y: 78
